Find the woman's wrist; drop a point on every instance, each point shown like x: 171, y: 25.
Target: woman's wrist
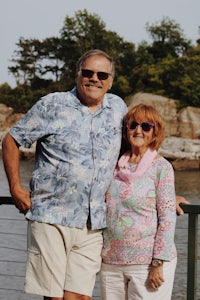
x: 156, y: 263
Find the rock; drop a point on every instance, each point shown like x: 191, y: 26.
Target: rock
x: 7, y: 117
x: 189, y: 122
x: 183, y: 153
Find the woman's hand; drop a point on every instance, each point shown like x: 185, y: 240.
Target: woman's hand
x: 155, y: 278
x: 180, y: 200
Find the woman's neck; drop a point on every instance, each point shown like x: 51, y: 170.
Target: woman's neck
x: 137, y: 154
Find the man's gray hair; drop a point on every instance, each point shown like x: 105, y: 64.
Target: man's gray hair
x: 93, y: 53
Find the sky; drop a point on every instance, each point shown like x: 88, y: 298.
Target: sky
x: 44, y: 18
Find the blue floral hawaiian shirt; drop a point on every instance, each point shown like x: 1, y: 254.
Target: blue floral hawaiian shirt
x: 76, y: 153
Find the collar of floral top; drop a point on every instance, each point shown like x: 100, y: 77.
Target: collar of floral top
x: 127, y: 175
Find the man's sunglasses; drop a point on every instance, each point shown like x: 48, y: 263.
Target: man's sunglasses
x: 89, y: 73
x: 146, y: 126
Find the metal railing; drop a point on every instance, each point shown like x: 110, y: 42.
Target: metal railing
x: 193, y: 212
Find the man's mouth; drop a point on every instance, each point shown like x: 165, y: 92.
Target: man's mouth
x: 89, y: 84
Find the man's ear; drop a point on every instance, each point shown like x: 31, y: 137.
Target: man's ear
x: 110, y: 85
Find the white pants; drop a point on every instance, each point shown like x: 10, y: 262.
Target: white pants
x: 119, y: 282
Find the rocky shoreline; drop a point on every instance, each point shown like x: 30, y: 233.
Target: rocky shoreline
x: 181, y: 145
x: 184, y: 154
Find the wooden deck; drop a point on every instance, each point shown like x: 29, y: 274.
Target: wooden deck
x: 13, y: 258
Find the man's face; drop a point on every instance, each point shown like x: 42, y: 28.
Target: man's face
x: 91, y: 85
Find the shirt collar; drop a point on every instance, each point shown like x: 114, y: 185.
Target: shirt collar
x: 76, y: 102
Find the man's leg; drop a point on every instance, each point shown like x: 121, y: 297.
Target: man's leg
x: 84, y: 262
x: 50, y: 298
x: 74, y: 296
x: 46, y: 261
x: 70, y: 296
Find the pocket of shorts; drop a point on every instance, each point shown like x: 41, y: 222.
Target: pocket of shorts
x: 33, y: 252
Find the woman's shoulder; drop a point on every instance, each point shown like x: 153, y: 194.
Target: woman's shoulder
x: 161, y: 161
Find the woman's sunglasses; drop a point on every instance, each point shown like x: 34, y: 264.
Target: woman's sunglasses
x: 89, y: 73
x: 146, y: 126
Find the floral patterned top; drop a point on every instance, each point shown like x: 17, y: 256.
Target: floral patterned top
x: 76, y: 154
x: 141, y: 217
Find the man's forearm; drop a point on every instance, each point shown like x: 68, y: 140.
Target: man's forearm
x: 11, y: 158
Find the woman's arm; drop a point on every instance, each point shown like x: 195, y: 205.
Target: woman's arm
x: 166, y: 212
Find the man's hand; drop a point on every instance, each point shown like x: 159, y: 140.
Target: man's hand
x: 21, y: 198
x: 180, y: 200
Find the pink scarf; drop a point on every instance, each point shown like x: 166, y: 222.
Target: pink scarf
x: 124, y: 173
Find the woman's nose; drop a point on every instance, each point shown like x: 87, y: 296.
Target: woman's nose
x: 139, y: 128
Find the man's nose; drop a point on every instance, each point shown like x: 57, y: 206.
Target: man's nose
x: 94, y: 77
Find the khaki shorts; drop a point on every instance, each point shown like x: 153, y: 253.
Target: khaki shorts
x: 62, y: 258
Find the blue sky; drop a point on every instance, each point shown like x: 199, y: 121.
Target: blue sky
x: 44, y: 18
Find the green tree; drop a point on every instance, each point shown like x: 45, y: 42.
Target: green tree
x: 25, y: 60
x: 168, y: 38
x: 168, y: 66
x: 87, y: 31
x: 51, y: 63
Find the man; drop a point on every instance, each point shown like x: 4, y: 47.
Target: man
x: 78, y: 135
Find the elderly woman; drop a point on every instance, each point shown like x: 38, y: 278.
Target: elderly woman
x: 139, y: 254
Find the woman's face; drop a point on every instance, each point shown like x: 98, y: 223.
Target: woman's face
x: 140, y: 134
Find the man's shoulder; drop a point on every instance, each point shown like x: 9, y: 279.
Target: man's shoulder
x: 57, y: 99
x: 115, y: 100
x: 57, y: 96
x: 111, y: 96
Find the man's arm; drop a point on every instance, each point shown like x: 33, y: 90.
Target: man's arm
x: 11, y: 160
x: 180, y: 200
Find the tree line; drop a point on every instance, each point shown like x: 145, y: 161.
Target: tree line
x: 169, y: 65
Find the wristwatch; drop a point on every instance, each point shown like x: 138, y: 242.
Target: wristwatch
x: 156, y: 262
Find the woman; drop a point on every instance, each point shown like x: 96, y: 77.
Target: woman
x: 139, y: 254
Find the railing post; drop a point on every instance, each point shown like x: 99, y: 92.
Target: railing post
x: 192, y: 257
x: 193, y: 212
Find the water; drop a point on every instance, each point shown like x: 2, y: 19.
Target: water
x: 187, y: 182
x: 188, y: 185
x: 13, y: 238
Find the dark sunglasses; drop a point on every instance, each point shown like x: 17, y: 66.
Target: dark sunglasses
x: 89, y: 73
x: 146, y: 126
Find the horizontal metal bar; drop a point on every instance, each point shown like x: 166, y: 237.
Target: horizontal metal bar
x: 6, y: 200
x: 191, y: 208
